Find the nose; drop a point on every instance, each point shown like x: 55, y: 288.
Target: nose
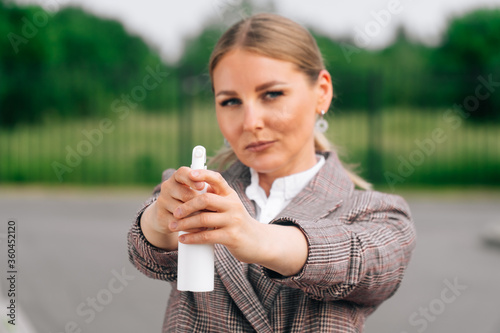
x: 253, y: 118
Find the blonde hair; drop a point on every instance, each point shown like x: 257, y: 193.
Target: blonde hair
x: 279, y: 38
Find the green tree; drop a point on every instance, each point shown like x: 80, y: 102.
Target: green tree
x: 69, y: 64
x: 471, y: 49
x: 21, y: 64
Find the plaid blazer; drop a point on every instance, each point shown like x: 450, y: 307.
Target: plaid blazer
x: 360, y: 243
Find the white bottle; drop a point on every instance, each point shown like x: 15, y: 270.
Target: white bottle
x: 195, y: 264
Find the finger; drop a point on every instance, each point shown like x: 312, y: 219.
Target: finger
x: 182, y: 176
x: 181, y: 192
x: 164, y: 215
x: 202, y: 202
x: 203, y: 237
x: 204, y: 220
x: 165, y: 200
x: 194, y: 230
x: 173, y: 194
x: 174, y: 226
x: 216, y: 182
x: 168, y: 204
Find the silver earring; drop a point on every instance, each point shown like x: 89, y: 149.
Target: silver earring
x: 321, y: 124
x: 226, y: 143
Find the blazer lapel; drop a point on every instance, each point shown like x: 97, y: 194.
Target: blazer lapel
x: 324, y: 194
x: 231, y: 271
x: 239, y: 288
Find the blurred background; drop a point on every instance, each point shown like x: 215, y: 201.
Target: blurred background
x: 98, y: 97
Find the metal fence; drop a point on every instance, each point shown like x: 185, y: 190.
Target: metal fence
x: 392, y: 145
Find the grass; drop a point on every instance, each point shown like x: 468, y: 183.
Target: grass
x: 464, y: 153
x: 137, y: 148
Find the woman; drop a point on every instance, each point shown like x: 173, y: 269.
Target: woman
x: 298, y: 248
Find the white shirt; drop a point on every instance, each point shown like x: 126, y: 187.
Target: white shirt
x: 282, y: 191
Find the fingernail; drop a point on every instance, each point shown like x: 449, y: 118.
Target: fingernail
x: 195, y: 173
x: 181, y: 238
x: 178, y: 212
x: 173, y: 225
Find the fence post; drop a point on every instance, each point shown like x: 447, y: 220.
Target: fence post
x: 185, y: 120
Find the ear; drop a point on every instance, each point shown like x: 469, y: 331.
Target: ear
x: 325, y: 91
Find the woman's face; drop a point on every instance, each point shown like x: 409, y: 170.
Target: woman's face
x: 266, y: 109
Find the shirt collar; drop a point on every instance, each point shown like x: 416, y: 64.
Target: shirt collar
x: 286, y: 187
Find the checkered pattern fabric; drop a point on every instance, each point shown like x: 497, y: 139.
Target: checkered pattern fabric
x: 360, y: 243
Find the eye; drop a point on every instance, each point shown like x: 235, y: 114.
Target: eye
x: 230, y: 102
x: 271, y: 95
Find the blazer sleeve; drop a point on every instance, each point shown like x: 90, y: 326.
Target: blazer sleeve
x: 154, y: 262
x: 358, y: 254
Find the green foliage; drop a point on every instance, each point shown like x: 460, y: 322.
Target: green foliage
x: 360, y: 74
x: 471, y: 48
x: 70, y: 64
x: 194, y: 62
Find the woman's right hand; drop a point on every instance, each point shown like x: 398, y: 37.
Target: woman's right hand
x: 157, y: 218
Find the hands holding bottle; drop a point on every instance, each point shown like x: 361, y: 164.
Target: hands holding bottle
x: 218, y: 216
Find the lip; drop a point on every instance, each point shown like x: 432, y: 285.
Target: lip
x: 259, y: 146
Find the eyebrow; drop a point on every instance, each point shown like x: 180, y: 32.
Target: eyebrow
x: 260, y: 87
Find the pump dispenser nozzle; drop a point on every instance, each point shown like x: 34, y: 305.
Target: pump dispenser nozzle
x: 199, y: 158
